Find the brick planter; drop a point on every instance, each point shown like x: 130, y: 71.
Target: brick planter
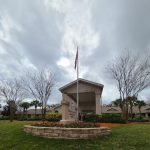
x: 66, y: 133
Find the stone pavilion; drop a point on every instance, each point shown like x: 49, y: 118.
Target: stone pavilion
x: 89, y: 99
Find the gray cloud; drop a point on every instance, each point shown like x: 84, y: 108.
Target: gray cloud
x: 40, y: 34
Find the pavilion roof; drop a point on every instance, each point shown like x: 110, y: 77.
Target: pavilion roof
x: 83, y: 81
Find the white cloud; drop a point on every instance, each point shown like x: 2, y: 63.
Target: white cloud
x: 27, y: 64
x: 63, y: 62
x: 6, y: 25
x: 77, y: 29
x: 2, y: 51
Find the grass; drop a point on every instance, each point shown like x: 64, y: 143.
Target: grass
x: 135, y: 137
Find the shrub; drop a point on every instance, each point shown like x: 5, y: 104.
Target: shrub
x: 91, y: 118
x: 112, y: 118
x: 4, y: 118
x: 29, y: 119
x: 107, y: 118
x: 53, y: 117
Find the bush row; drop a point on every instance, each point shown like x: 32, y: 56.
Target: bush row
x: 55, y: 117
x: 107, y: 118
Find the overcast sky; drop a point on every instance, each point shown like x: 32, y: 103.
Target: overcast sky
x: 42, y: 33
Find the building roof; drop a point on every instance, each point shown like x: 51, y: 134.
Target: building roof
x: 116, y: 110
x: 81, y: 80
x: 144, y: 109
x: 105, y: 110
x: 59, y: 106
x: 32, y: 111
x: 110, y: 110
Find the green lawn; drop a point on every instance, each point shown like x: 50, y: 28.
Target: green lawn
x: 135, y: 137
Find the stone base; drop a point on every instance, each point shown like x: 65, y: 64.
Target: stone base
x: 67, y: 133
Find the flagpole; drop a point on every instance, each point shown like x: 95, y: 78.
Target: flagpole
x: 77, y: 85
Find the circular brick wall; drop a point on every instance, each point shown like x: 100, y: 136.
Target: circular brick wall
x: 67, y: 133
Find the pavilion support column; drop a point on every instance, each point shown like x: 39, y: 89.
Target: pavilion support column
x: 97, y: 102
x: 146, y: 115
x: 65, y: 107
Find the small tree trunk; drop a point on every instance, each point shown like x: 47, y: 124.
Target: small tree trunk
x: 23, y: 112
x: 131, y: 111
x: 11, y: 114
x: 26, y: 113
x: 35, y: 112
x: 125, y: 113
x: 44, y: 112
x: 11, y: 107
x: 140, y: 111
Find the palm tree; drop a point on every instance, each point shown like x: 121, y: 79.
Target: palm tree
x: 132, y: 102
x: 25, y: 106
x: 118, y: 103
x: 140, y: 103
x: 35, y: 103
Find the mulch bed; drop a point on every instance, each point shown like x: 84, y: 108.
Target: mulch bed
x: 110, y: 125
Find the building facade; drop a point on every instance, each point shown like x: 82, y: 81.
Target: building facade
x: 145, y: 110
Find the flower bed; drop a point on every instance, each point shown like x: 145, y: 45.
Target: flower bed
x: 70, y: 125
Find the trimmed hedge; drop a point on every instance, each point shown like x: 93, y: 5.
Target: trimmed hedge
x: 106, y: 118
x: 138, y: 119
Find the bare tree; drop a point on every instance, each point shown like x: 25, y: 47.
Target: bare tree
x: 131, y: 75
x: 12, y: 92
x: 39, y: 85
